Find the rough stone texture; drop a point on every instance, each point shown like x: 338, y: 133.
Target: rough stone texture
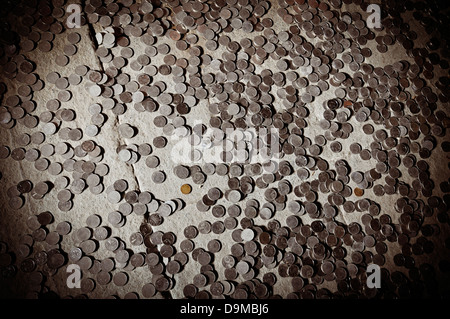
x: 138, y: 175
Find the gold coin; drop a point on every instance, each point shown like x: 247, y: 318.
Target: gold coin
x: 359, y: 191
x: 186, y: 189
x: 348, y: 103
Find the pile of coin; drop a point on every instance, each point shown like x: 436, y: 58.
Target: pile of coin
x: 329, y: 138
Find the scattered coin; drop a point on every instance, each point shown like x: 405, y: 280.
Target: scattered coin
x: 186, y: 189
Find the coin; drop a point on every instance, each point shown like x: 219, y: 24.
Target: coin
x: 186, y: 188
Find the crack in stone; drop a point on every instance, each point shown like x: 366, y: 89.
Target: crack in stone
x: 91, y: 33
x: 116, y: 119
x: 121, y: 141
x: 135, y: 177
